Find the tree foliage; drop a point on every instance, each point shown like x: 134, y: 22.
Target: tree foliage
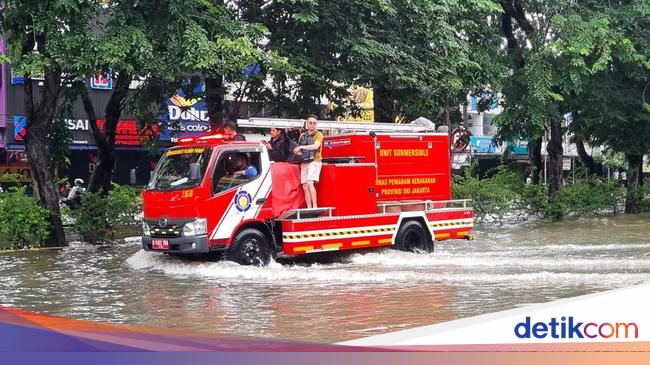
x: 413, y: 54
x: 47, y: 40
x: 586, y: 58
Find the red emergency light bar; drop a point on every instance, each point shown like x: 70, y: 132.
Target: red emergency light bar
x: 200, y: 140
x: 211, y: 136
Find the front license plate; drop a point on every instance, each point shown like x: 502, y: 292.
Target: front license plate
x: 160, y: 244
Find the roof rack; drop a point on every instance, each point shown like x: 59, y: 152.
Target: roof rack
x: 332, y: 125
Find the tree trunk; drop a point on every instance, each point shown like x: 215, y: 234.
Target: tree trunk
x: 40, y: 121
x: 214, y: 97
x: 535, y: 156
x: 585, y: 158
x: 634, y: 176
x: 555, y: 153
x: 100, y: 181
x: 383, y: 105
x: 38, y: 161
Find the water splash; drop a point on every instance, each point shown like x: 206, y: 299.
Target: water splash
x: 386, y: 267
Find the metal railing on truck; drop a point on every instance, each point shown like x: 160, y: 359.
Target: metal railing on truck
x: 425, y: 205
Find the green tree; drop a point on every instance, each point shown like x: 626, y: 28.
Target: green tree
x: 166, y: 43
x: 45, y: 38
x: 416, y: 55
x: 614, y: 109
x: 554, y: 51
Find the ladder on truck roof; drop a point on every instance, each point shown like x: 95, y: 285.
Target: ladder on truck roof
x: 334, y: 125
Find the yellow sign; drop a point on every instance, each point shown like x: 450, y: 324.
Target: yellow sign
x: 362, y: 98
x: 405, y: 185
x: 10, y: 174
x: 404, y: 153
x: 182, y: 151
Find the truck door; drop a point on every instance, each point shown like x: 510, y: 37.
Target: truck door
x: 240, y: 184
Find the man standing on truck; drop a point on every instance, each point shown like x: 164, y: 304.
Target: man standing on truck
x: 309, y: 147
x: 230, y: 132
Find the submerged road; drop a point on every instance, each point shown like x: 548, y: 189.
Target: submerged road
x: 341, y: 298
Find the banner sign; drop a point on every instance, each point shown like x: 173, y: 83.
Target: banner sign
x: 363, y: 99
x: 185, y: 116
x: 20, y: 125
x: 127, y: 131
x: 17, y: 79
x: 518, y: 147
x: 102, y: 80
x: 482, y: 144
x: 459, y: 160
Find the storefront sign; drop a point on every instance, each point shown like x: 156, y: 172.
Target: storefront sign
x: 102, y: 80
x: 363, y: 100
x: 459, y: 160
x: 13, y: 173
x: 17, y: 79
x: 185, y: 117
x: 518, y: 147
x: 482, y: 144
x: 20, y: 125
x: 127, y: 131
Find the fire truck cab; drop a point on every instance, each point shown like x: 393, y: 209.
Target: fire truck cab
x: 376, y: 189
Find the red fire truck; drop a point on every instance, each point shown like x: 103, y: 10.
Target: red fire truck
x: 380, y: 185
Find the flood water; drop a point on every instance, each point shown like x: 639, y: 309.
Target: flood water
x: 345, y: 297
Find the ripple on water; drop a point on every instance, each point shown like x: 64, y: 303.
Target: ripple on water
x: 352, y: 295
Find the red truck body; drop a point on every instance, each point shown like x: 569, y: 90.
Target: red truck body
x: 375, y: 190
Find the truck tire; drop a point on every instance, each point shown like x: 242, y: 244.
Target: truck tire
x: 249, y: 247
x: 412, y: 237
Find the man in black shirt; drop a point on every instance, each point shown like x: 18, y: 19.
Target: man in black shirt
x: 230, y: 132
x: 279, y: 145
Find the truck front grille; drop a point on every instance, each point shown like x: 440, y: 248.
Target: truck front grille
x: 172, y: 232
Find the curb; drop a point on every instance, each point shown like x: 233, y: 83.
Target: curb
x: 38, y: 249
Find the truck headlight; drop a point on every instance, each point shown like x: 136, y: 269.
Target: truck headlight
x: 196, y: 227
x: 145, y: 229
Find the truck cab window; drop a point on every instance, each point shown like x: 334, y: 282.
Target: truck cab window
x: 235, y: 168
x: 174, y: 169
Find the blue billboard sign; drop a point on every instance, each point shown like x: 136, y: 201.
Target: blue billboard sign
x: 185, y: 117
x: 482, y: 144
x: 518, y: 147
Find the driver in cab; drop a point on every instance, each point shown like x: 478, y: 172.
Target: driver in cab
x: 239, y: 171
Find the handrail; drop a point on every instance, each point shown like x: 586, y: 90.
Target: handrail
x: 429, y: 204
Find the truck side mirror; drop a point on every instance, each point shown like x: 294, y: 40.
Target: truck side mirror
x: 195, y: 171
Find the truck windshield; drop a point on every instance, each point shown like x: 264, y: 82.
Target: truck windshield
x: 174, y: 169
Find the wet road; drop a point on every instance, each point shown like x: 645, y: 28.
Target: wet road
x: 346, y: 297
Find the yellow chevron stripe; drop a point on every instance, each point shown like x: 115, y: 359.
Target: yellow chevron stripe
x: 379, y: 230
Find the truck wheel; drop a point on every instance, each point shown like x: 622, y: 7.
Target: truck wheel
x: 413, y: 238
x: 249, y: 247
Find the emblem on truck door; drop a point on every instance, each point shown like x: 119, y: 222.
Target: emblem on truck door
x: 242, y: 201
